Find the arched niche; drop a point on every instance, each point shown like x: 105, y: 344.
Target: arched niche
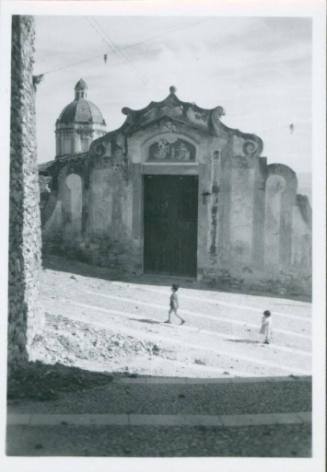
x: 287, y: 205
x: 74, y: 186
x: 275, y: 187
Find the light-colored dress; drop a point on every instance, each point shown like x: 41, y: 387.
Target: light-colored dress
x: 266, y: 326
x: 173, y: 301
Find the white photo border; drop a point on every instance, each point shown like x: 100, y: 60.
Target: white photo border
x: 315, y: 9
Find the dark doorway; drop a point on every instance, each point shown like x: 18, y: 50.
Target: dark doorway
x: 170, y: 224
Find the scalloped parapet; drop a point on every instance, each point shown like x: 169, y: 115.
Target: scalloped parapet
x: 172, y: 108
x: 206, y: 121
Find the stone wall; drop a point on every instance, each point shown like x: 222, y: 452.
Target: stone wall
x: 89, y: 213
x: 264, y: 227
x: 253, y: 229
x: 24, y: 224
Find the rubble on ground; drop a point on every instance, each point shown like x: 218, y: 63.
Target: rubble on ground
x: 67, y: 341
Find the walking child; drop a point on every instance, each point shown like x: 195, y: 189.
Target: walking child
x: 266, y: 326
x: 173, y: 305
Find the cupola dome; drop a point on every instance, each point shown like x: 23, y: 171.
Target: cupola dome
x: 79, y: 123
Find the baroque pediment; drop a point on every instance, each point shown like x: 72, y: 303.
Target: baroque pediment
x: 174, y: 109
x: 176, y: 112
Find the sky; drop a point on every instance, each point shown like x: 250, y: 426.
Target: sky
x: 258, y: 69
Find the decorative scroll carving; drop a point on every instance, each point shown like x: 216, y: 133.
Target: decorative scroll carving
x: 215, y: 116
x: 197, y: 117
x: 249, y: 148
x: 178, y: 151
x: 100, y: 149
x: 168, y: 125
x: 218, y: 112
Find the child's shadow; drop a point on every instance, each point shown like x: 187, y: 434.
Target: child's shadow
x: 245, y: 341
x: 146, y: 320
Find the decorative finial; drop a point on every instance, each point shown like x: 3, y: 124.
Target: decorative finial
x: 81, y: 85
x: 172, y: 89
x: 81, y: 89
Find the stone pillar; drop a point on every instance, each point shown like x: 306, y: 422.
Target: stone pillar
x: 242, y: 211
x: 258, y: 235
x: 214, y: 214
x: 24, y: 223
x: 275, y: 187
x: 224, y: 210
x: 203, y: 220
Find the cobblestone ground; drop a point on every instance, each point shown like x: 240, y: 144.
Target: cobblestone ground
x: 116, y: 326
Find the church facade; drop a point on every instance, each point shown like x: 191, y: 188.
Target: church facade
x: 174, y: 191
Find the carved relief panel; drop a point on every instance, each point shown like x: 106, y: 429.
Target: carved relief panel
x: 167, y: 150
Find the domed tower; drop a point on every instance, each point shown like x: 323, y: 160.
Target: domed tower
x: 80, y: 123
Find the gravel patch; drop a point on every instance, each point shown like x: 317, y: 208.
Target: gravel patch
x: 215, y: 399
x: 252, y: 441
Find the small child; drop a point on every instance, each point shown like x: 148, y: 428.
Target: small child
x: 266, y: 326
x: 173, y: 305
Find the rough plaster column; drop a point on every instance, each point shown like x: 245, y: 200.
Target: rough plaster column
x: 259, y: 214
x: 275, y: 186
x: 214, y: 216
x: 242, y: 199
x: 203, y: 218
x: 24, y: 224
x: 137, y: 216
x: 137, y: 201
x: 225, y: 206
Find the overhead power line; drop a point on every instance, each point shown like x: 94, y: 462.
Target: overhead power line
x: 109, y: 42
x: 72, y: 64
x: 162, y: 35
x: 121, y: 50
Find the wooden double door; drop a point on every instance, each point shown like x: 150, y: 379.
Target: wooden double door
x: 170, y: 224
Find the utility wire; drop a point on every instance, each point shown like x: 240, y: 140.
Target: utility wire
x: 162, y: 35
x: 116, y: 50
x: 121, y: 49
x: 88, y: 59
x: 90, y: 22
x: 107, y: 38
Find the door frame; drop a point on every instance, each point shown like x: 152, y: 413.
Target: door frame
x: 181, y: 170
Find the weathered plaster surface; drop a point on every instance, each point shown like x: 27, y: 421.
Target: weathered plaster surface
x: 252, y: 227
x: 24, y: 224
